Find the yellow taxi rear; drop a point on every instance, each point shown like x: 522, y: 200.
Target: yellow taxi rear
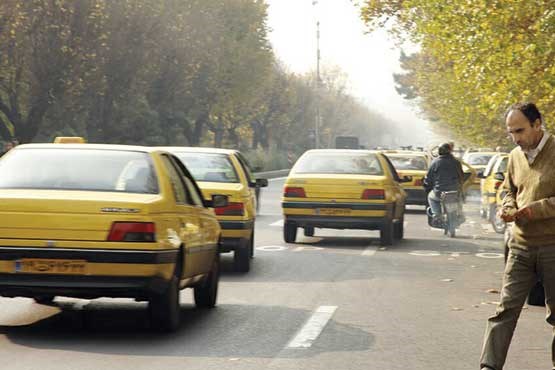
x: 343, y: 189
x: 490, y: 183
x: 478, y: 161
x: 93, y: 221
x: 225, y: 171
x: 415, y: 165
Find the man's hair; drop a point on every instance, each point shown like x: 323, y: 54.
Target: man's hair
x: 529, y: 110
x: 444, y: 149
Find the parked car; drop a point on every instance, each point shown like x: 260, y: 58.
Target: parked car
x: 226, y: 171
x: 88, y: 221
x: 344, y: 189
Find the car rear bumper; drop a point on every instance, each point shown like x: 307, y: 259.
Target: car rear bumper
x: 416, y: 197
x: 104, y: 273
x: 235, y: 235
x: 334, y: 222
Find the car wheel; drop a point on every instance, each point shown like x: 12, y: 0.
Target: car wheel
x: 309, y: 231
x: 44, y: 299
x: 164, y: 307
x: 242, y: 256
x: 206, y: 293
x: 386, y: 233
x: 399, y: 229
x: 289, y: 232
x: 251, y: 244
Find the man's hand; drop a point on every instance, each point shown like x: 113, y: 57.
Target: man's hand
x: 507, y: 215
x: 524, y: 214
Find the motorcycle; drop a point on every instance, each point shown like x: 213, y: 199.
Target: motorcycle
x: 451, y: 213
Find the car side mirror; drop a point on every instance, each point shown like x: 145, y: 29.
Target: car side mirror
x: 499, y: 176
x: 406, y: 179
x: 218, y: 200
x: 261, y: 183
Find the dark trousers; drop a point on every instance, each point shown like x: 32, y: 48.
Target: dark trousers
x: 524, y: 266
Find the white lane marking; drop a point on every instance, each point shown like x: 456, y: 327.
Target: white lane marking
x: 272, y: 248
x: 405, y: 223
x: 369, y: 251
x: 425, y: 253
x: 277, y: 178
x: 277, y: 223
x: 300, y: 249
x: 490, y: 255
x: 435, y: 229
x: 313, y: 327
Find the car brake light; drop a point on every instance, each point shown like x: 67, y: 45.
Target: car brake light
x: 292, y: 192
x: 418, y: 182
x: 498, y: 184
x: 132, y: 232
x: 232, y: 209
x: 373, y: 194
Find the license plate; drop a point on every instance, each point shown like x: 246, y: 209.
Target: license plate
x: 45, y: 266
x: 333, y: 211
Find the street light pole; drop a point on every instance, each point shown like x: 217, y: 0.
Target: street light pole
x: 317, y: 122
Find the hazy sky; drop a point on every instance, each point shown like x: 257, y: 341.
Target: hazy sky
x: 369, y: 60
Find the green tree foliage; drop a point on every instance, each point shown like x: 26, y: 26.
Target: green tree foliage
x: 162, y: 72
x: 476, y: 58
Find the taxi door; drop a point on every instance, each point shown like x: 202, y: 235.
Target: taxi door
x: 189, y: 232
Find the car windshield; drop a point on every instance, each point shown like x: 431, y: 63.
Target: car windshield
x: 209, y: 167
x: 478, y: 159
x: 408, y: 163
x: 78, y: 169
x: 339, y: 163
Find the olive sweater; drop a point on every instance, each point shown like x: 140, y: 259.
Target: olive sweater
x: 532, y: 185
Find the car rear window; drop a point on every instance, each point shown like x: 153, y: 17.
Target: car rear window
x: 209, y: 167
x: 478, y: 159
x: 78, y: 169
x: 339, y: 163
x: 414, y: 163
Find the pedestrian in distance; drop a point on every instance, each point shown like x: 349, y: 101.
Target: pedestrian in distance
x: 529, y: 203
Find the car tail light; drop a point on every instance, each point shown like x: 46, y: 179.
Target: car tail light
x: 232, y: 209
x: 418, y: 182
x: 498, y: 184
x: 132, y: 232
x: 373, y: 194
x: 292, y: 192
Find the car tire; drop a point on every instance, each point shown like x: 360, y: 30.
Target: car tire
x: 386, y: 233
x: 399, y: 229
x: 289, y: 232
x: 251, y: 244
x: 309, y: 231
x: 164, y: 308
x: 206, y: 293
x: 242, y: 256
x: 44, y: 299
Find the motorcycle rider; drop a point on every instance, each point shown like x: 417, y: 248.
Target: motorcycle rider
x: 445, y: 174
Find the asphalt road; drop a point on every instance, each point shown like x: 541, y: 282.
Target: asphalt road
x: 335, y: 301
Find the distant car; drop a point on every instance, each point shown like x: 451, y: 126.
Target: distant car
x: 226, y: 171
x: 344, y: 189
x: 414, y: 164
x: 87, y: 221
x: 490, y: 183
x: 479, y: 161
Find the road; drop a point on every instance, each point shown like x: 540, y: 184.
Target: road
x: 335, y: 301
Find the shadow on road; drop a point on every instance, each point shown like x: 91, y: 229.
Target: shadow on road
x: 226, y: 331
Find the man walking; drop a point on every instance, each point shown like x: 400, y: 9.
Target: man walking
x: 530, y: 204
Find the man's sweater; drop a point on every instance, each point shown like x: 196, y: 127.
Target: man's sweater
x: 532, y: 186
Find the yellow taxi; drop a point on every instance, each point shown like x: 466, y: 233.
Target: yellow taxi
x: 479, y: 161
x: 415, y: 165
x: 344, y: 189
x: 226, y: 171
x: 490, y: 183
x: 88, y: 221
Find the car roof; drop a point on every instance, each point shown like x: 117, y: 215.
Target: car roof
x: 117, y: 147
x: 197, y: 149
x: 353, y: 151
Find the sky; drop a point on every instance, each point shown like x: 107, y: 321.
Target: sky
x: 369, y: 60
